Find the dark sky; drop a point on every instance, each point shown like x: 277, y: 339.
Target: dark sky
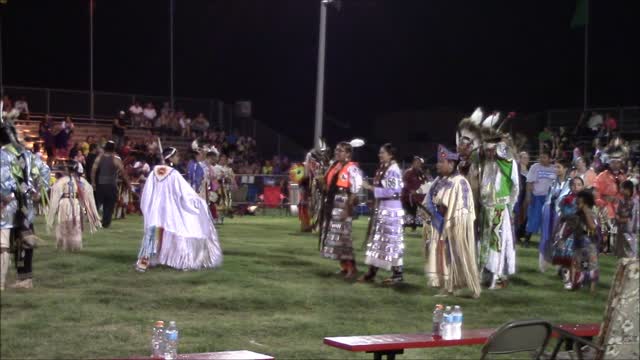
x: 383, y: 55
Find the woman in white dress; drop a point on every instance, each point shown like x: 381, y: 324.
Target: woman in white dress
x: 72, y: 201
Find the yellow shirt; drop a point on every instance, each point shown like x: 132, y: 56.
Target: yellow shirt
x: 84, y: 147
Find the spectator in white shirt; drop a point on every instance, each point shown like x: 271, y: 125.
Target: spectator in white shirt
x: 150, y: 114
x: 595, y: 122
x: 23, y: 107
x: 135, y: 112
x: 200, y: 125
x: 185, y: 124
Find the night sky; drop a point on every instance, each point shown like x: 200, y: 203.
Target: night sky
x: 382, y: 55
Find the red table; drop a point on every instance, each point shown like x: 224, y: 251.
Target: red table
x: 223, y: 355
x: 393, y: 344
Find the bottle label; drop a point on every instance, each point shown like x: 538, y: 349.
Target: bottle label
x: 172, y: 336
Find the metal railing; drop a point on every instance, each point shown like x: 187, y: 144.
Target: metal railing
x: 251, y: 186
x: 628, y: 118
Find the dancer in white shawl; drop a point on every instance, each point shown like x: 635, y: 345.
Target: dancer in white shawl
x: 178, y: 228
x: 71, y: 200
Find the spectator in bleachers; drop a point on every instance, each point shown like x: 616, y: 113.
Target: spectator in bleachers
x: 90, y: 159
x: 62, y: 135
x: 174, y: 124
x: 200, y: 125
x: 149, y: 114
x: 545, y: 139
x: 44, y: 131
x: 232, y: 138
x: 610, y: 126
x: 103, y: 141
x: 135, y: 114
x: 23, y: 107
x: 6, y: 103
x: 284, y: 164
x: 277, y: 165
x: 166, y: 109
x: 185, y: 124
x: 562, y: 144
x: 595, y: 123
x: 127, y: 148
x: 267, y: 169
x: 84, y: 146
x: 118, y: 130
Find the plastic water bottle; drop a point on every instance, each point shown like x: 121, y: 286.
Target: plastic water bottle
x: 447, y: 325
x: 157, y: 340
x: 171, y: 343
x: 438, y: 315
x: 457, y: 322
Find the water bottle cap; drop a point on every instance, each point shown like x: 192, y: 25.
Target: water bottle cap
x: 457, y: 307
x: 159, y: 324
x: 172, y: 323
x: 439, y: 306
x: 448, y: 308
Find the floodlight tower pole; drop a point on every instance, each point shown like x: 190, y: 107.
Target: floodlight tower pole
x: 320, y: 75
x: 1, y: 65
x: 171, y: 12
x: 92, y: 103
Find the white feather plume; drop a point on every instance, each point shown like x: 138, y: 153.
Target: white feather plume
x: 491, y: 120
x: 356, y: 143
x: 212, y: 149
x: 477, y: 115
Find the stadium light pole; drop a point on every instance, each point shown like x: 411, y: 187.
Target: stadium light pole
x: 91, y: 91
x: 171, y: 8
x: 320, y: 74
x: 1, y: 64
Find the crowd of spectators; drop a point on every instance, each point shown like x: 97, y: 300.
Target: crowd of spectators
x: 589, y: 139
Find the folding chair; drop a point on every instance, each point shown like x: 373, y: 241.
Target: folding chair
x: 619, y: 335
x: 519, y: 336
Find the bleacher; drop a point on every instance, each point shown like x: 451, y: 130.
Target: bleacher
x: 98, y: 127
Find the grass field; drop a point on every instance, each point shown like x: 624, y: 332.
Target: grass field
x: 273, y: 295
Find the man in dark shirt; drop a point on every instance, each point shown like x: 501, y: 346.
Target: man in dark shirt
x: 104, y: 177
x: 413, y: 178
x: 117, y: 131
x: 91, y: 158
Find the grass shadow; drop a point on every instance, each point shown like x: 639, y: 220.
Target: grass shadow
x: 113, y: 257
x: 519, y: 281
x: 406, y: 288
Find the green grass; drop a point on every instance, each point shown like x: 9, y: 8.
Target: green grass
x: 273, y: 295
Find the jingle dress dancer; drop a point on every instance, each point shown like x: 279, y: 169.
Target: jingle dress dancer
x: 385, y: 240
x: 341, y: 184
